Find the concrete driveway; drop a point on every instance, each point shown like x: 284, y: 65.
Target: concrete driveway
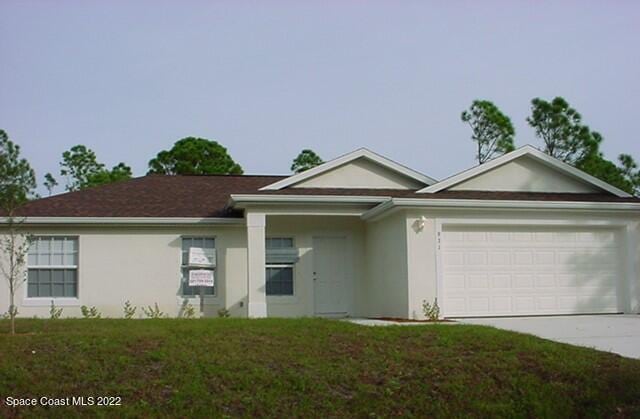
x: 618, y: 333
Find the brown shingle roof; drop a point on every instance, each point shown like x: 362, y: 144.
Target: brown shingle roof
x: 151, y: 196
x: 207, y: 196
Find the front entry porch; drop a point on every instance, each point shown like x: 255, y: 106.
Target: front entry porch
x: 304, y: 265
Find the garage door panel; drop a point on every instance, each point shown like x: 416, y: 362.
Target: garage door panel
x: 456, y: 281
x: 457, y: 304
x: 500, y: 281
x: 475, y: 258
x: 501, y: 304
x: 475, y: 236
x: 529, y: 270
x: 453, y: 259
x: 521, y: 257
x: 543, y: 237
x: 499, y: 237
x: 548, y: 303
x: 523, y: 281
x: 545, y: 257
x: 525, y: 304
x: 545, y: 281
x: 501, y: 257
x: 479, y: 304
x: 478, y: 281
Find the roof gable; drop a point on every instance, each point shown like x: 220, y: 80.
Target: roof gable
x: 361, y: 173
x: 359, y: 169
x: 525, y: 174
x: 525, y: 170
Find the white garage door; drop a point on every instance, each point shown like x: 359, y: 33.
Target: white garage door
x: 494, y: 271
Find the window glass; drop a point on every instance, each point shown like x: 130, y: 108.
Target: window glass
x: 279, y: 276
x: 52, y: 283
x: 208, y: 244
x: 279, y: 280
x: 52, y: 267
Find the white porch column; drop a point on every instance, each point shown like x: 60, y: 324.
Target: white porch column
x: 256, y: 286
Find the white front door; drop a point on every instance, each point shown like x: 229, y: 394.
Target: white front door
x: 329, y: 276
x: 520, y: 270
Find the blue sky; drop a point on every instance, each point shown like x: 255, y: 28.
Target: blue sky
x: 269, y: 78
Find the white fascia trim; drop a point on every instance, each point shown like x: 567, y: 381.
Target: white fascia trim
x: 128, y: 220
x: 359, y: 153
x: 530, y: 151
x: 378, y: 210
x: 303, y: 199
x: 497, y: 204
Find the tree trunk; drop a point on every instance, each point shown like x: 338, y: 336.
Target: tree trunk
x: 12, y: 312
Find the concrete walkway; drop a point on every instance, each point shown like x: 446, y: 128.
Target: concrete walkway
x: 618, y: 333
x: 378, y: 322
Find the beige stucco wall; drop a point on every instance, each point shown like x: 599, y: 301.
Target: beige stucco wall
x: 142, y: 265
x: 421, y: 262
x: 525, y: 174
x: 361, y: 173
x: 391, y: 265
x: 385, y: 289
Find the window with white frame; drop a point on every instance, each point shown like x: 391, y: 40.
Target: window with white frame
x: 281, y: 257
x: 52, y: 267
x: 208, y: 246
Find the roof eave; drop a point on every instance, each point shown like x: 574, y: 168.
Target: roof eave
x: 141, y: 221
x: 242, y: 200
x: 393, y: 203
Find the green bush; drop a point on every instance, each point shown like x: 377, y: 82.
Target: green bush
x: 129, y: 310
x: 55, y: 312
x: 153, y: 312
x: 90, y: 312
x: 431, y: 311
x: 187, y: 310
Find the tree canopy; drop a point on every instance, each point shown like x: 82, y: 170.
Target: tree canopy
x: 491, y: 130
x: 561, y: 129
x: 17, y: 178
x: 78, y: 163
x: 50, y: 182
x: 82, y: 169
x: 625, y: 177
x: 119, y: 172
x: 567, y: 138
x: 306, y: 160
x: 194, y: 156
x: 629, y: 169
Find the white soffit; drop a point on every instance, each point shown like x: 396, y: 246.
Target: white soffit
x: 530, y: 151
x: 357, y: 154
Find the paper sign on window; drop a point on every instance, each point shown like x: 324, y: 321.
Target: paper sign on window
x: 201, y: 278
x: 198, y: 256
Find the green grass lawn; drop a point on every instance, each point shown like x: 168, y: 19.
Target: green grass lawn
x: 308, y: 367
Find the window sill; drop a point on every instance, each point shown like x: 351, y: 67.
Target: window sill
x: 46, y: 302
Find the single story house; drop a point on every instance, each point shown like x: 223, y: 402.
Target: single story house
x: 360, y: 236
